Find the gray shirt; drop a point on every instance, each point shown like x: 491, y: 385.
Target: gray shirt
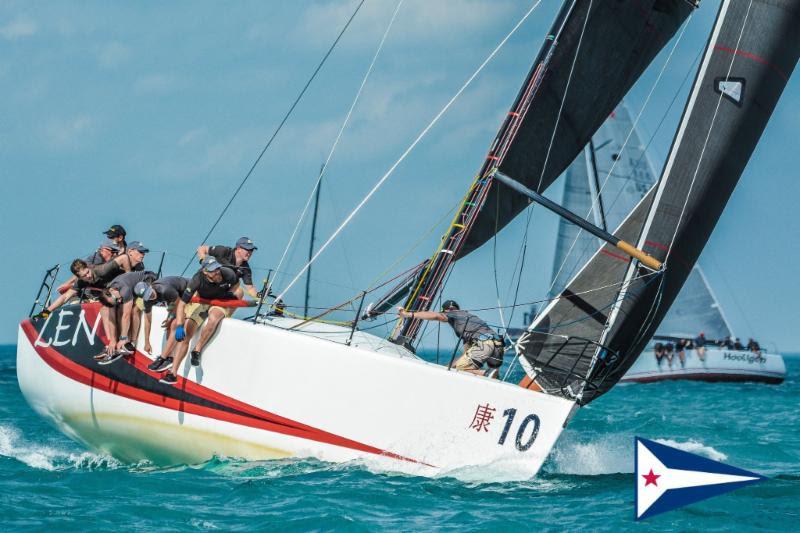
x: 468, y: 327
x: 125, y: 283
x: 168, y: 289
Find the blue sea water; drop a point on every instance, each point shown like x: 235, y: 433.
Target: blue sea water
x: 48, y: 481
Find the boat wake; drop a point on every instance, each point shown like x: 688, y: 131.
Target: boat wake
x: 610, y: 454
x: 44, y: 457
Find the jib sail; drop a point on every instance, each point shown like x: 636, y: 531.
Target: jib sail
x: 752, y: 51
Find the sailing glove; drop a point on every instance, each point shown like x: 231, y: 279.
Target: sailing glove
x: 180, y: 333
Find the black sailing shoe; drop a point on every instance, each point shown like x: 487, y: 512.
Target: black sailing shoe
x: 107, y: 360
x: 195, y: 358
x: 169, y: 378
x: 160, y: 364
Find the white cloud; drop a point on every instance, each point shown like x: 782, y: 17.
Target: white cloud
x: 156, y: 83
x: 19, y: 27
x: 192, y: 135
x: 68, y: 133
x: 417, y: 21
x: 112, y: 54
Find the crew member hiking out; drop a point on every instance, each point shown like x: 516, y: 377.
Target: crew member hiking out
x: 212, y: 282
x: 118, y: 297
x: 104, y: 253
x: 481, y: 343
x: 167, y: 290
x: 235, y: 258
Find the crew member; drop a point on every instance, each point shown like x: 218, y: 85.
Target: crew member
x: 165, y: 290
x: 235, y: 258
x: 107, y: 250
x: 117, y: 234
x: 212, y: 282
x: 481, y: 343
x: 118, y: 297
x: 700, y: 346
x: 659, y: 351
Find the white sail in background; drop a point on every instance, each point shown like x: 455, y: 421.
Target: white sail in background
x: 622, y: 178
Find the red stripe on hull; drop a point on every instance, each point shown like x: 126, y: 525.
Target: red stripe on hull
x: 260, y: 419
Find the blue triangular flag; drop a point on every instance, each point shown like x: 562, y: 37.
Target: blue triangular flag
x: 668, y: 478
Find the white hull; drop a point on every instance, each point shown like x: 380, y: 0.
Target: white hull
x: 262, y: 392
x: 719, y: 365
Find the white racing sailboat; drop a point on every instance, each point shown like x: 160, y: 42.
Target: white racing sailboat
x: 273, y: 387
x: 605, y: 183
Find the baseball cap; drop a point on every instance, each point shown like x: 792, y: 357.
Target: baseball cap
x: 138, y: 246
x: 246, y: 243
x: 115, y: 231
x: 143, y: 291
x: 449, y: 304
x: 210, y: 264
x: 111, y: 245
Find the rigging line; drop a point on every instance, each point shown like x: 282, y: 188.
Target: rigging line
x: 277, y: 130
x: 339, y: 135
x: 411, y: 147
x: 523, y: 246
x: 627, y: 138
x: 564, y: 98
x: 636, y: 165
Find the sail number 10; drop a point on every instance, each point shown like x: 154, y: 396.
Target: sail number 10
x: 522, y: 443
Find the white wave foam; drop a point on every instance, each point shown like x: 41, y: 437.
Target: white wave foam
x: 611, y: 454
x: 14, y: 446
x: 692, y: 446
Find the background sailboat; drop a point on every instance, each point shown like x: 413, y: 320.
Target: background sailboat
x: 605, y: 183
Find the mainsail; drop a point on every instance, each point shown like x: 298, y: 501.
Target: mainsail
x: 752, y: 51
x: 593, y: 54
x: 605, y: 184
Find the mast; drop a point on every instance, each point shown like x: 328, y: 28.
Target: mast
x: 311, y: 240
x: 594, y: 186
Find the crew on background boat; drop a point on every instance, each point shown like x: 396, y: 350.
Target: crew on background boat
x: 737, y: 345
x: 481, y: 343
x: 235, y: 258
x: 212, y: 282
x: 118, y: 297
x: 658, y: 349
x: 753, y: 346
x: 681, y: 346
x: 700, y: 346
x: 669, y: 352
x: 165, y: 290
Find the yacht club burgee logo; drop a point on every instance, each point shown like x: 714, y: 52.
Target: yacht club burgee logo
x: 668, y: 478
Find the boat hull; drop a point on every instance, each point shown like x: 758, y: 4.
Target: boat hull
x: 262, y: 392
x: 719, y: 365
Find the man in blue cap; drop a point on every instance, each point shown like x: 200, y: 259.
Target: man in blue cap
x: 212, y: 282
x: 166, y: 290
x: 235, y: 258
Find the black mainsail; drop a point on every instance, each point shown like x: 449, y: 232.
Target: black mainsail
x: 596, y: 49
x: 752, y: 51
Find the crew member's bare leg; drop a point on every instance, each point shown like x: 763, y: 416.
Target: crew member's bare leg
x: 215, y: 316
x: 183, y: 346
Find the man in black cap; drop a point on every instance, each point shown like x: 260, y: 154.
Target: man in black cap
x: 235, y: 258
x: 212, y: 282
x: 117, y: 234
x: 481, y: 343
x: 166, y: 290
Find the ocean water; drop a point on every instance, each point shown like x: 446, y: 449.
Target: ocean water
x: 47, y: 481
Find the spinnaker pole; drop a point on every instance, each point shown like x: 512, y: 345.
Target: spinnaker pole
x: 629, y: 249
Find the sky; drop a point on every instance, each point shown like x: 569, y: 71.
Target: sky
x: 149, y: 115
